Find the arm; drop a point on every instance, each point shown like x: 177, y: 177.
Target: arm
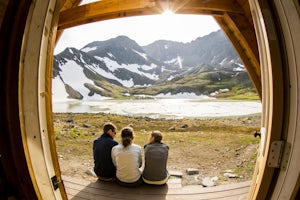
x: 140, y: 157
x: 113, y: 157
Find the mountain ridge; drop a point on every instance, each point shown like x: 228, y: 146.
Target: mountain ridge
x: 132, y: 69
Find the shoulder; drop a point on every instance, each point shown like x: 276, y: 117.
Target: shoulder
x: 114, y: 142
x: 96, y: 140
x: 156, y: 145
x: 135, y: 146
x: 115, y: 148
x: 108, y: 139
x: 164, y: 145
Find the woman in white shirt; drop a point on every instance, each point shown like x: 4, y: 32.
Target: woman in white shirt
x: 127, y: 158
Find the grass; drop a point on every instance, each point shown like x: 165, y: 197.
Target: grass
x: 211, y: 144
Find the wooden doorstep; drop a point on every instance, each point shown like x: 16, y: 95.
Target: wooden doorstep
x: 78, y: 189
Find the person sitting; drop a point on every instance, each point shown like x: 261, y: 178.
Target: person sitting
x: 156, y: 156
x: 127, y: 158
x: 103, y: 165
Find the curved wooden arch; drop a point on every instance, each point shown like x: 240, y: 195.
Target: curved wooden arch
x: 27, y: 152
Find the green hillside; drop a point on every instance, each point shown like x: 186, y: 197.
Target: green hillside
x: 206, y: 83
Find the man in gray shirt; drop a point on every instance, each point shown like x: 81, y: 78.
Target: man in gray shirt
x: 156, y: 157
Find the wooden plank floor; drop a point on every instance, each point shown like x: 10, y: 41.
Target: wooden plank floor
x: 78, y: 189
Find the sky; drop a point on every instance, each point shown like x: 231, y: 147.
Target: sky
x: 143, y: 29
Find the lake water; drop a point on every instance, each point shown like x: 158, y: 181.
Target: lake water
x: 161, y: 108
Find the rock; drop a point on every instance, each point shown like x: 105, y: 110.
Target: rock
x: 176, y: 174
x: 86, y: 125
x: 69, y: 121
x: 230, y: 175
x: 214, y: 179
x: 238, y: 149
x: 192, y: 171
x: 184, y: 126
x: 208, y: 182
x: 90, y: 173
x: 175, y: 181
x: 73, y: 94
x: 240, y: 164
x: 172, y: 128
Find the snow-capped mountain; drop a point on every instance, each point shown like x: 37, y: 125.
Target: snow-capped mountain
x: 102, y: 67
x: 210, y: 49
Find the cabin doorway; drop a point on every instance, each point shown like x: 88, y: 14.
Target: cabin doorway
x: 31, y: 126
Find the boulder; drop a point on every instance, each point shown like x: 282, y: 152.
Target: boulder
x: 209, y: 182
x: 192, y: 171
x: 90, y: 173
x: 176, y: 174
x: 184, y: 126
x: 230, y: 175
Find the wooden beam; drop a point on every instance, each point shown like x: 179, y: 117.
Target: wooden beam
x: 242, y: 35
x: 64, y: 5
x: 213, y: 5
x: 111, y: 9
x: 106, y: 9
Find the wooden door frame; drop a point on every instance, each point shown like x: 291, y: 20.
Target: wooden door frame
x: 35, y: 102
x: 28, y: 117
x: 276, y: 27
x: 288, y: 174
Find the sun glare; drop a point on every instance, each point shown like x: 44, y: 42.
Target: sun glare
x: 168, y: 13
x: 167, y: 19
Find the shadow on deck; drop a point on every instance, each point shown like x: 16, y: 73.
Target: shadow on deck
x: 78, y: 189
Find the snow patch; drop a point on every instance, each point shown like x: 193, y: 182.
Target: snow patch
x: 113, y: 65
x: 239, y: 69
x: 58, y: 90
x: 223, y: 61
x: 111, y: 55
x: 145, y: 85
x: 73, y: 75
x: 135, y: 68
x: 141, y: 54
x: 171, y: 77
x: 110, y: 64
x: 174, y: 60
x: 182, y: 95
x: 88, y: 49
x: 149, y: 67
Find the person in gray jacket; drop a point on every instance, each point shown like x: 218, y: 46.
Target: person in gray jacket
x: 156, y: 156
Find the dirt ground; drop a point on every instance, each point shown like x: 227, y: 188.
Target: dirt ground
x: 216, y: 147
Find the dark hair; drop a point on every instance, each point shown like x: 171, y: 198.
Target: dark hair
x: 127, y: 136
x: 109, y: 126
x: 157, y: 136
